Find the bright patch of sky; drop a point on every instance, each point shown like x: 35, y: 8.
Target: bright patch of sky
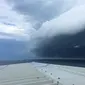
x: 13, y: 23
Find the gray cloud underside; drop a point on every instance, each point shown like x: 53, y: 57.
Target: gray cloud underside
x: 62, y: 46
x: 39, y: 11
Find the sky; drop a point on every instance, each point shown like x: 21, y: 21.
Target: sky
x: 12, y: 23
x: 40, y: 21
x: 30, y: 18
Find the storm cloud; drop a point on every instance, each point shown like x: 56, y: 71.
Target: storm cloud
x: 60, y: 26
x: 64, y: 35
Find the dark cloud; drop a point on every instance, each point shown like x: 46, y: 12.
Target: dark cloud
x: 9, y: 24
x: 64, y: 46
x: 68, y: 41
x: 66, y: 35
x: 35, y: 8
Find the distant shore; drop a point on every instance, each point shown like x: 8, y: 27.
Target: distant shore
x: 68, y: 62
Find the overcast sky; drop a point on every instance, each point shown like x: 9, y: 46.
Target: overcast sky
x: 31, y: 17
x: 36, y: 19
